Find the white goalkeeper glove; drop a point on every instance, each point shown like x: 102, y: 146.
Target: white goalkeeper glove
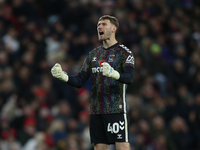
x: 108, y: 71
x: 57, y: 72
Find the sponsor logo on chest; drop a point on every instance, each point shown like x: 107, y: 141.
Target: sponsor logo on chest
x: 100, y: 68
x: 97, y: 69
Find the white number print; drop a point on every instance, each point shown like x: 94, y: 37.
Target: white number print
x: 115, y: 127
x: 109, y: 128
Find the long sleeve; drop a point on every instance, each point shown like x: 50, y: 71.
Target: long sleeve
x: 78, y: 80
x: 127, y: 76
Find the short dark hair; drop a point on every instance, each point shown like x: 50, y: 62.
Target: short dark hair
x: 112, y: 19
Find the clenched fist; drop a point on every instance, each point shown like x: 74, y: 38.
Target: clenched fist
x: 108, y: 71
x: 57, y: 72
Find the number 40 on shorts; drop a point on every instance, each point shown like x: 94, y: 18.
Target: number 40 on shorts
x: 115, y: 127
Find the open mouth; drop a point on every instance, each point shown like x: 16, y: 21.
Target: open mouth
x: 101, y: 32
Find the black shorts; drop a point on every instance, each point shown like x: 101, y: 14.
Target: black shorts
x: 109, y: 128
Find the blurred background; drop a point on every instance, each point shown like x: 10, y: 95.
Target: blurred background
x: 39, y: 112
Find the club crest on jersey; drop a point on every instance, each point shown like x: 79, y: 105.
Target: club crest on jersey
x: 94, y: 59
x: 130, y: 59
x: 111, y: 58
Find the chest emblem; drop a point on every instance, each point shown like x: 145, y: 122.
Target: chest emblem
x: 111, y: 58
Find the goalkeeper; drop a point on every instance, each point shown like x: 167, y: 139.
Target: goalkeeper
x: 110, y: 67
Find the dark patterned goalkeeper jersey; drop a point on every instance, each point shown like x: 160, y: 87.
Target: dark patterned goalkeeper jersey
x: 107, y: 95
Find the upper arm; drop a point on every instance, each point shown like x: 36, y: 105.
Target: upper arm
x: 127, y: 57
x: 128, y: 60
x: 86, y: 64
x: 127, y: 74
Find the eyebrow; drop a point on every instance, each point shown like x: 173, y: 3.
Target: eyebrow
x: 101, y: 23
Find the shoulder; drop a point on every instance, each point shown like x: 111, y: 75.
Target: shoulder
x: 124, y: 49
x: 127, y: 54
x: 93, y: 52
x: 96, y: 49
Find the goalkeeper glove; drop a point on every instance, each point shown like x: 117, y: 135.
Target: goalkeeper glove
x: 108, y: 71
x: 57, y: 72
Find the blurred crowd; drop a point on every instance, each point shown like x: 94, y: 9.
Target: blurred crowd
x: 39, y: 112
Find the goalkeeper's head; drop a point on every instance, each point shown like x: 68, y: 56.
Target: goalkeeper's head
x: 107, y: 27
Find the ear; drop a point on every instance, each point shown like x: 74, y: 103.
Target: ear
x: 114, y: 29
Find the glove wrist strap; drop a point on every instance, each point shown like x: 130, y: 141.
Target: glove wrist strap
x: 65, y: 77
x: 116, y: 74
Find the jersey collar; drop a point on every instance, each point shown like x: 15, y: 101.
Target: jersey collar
x: 110, y: 46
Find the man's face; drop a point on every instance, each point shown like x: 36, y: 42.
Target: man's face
x: 104, y: 29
